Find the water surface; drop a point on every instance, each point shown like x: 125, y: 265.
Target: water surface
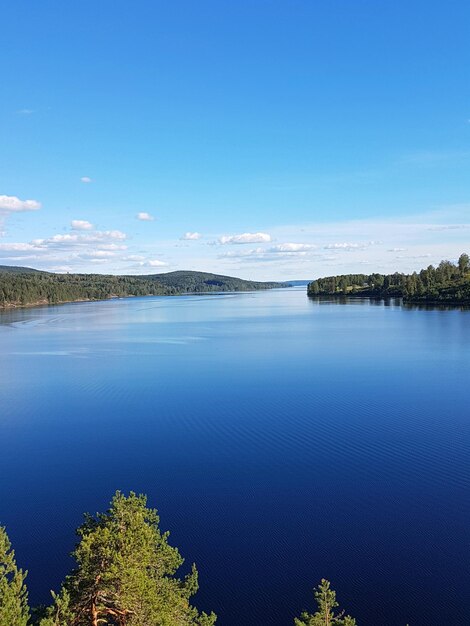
x: 282, y: 440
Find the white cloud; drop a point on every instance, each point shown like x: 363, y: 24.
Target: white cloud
x: 292, y: 247
x: 56, y: 239
x: 448, y: 227
x: 143, y: 216
x: 113, y: 246
x: 416, y: 256
x: 97, y: 254
x: 104, y: 239
x: 245, y: 238
x: 25, y: 111
x: 15, y: 205
x: 286, y: 251
x: 81, y: 225
x: 191, y: 236
x: 112, y: 234
x: 86, y: 179
x: 156, y: 263
x: 17, y: 247
x: 351, y: 246
x: 78, y: 248
x: 343, y: 246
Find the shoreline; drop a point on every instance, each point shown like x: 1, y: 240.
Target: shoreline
x: 357, y: 296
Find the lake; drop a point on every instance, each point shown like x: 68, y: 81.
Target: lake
x: 282, y: 440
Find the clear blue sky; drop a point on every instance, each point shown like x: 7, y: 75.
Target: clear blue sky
x: 289, y: 138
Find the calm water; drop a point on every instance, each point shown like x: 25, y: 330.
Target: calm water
x: 281, y: 439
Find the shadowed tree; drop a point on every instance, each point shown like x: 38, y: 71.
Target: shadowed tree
x: 325, y: 615
x: 14, y: 610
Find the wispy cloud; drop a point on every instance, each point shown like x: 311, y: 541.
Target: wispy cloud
x: 97, y: 254
x: 244, y: 238
x: 86, y: 179
x: 17, y: 247
x: 292, y: 247
x: 274, y: 253
x: 74, y: 239
x: 351, y: 246
x: 440, y: 227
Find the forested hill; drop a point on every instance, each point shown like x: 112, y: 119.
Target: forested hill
x: 18, y: 269
x: 185, y: 281
x: 22, y: 286
x: 448, y: 283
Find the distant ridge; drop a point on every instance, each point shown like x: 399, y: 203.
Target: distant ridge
x: 20, y: 286
x: 298, y: 283
x: 18, y: 269
x: 191, y: 281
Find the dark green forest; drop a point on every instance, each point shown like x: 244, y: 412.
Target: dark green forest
x: 23, y: 286
x: 126, y: 575
x: 448, y: 283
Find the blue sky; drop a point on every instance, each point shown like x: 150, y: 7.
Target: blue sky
x: 265, y: 139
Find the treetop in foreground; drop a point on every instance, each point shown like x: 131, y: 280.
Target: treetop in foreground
x: 325, y: 615
x: 126, y: 574
x: 14, y: 609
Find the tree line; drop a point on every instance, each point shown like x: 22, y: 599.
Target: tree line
x: 19, y: 287
x: 448, y: 283
x: 125, y: 575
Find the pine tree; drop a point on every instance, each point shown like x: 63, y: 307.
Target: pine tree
x: 125, y: 574
x: 325, y: 616
x: 14, y: 610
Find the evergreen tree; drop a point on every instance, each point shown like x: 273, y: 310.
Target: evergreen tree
x: 125, y: 574
x: 14, y: 610
x: 325, y: 615
x: 464, y: 263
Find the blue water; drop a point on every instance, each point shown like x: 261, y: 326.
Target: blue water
x: 282, y: 440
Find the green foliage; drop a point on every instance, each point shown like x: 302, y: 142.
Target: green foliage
x: 20, y: 286
x: 197, y: 282
x: 125, y: 574
x: 14, y: 609
x: 446, y: 283
x: 464, y: 263
x: 325, y: 615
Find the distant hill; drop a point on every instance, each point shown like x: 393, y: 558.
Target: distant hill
x: 25, y: 286
x: 17, y: 269
x: 297, y: 283
x: 188, y: 281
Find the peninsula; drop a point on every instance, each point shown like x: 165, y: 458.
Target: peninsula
x: 22, y: 286
x: 448, y: 283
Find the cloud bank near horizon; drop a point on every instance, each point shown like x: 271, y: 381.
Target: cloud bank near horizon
x: 280, y: 252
